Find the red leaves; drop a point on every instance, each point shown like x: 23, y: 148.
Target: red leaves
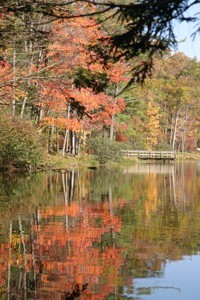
x: 118, y: 72
x: 71, y: 124
x: 100, y: 107
x: 5, y: 78
x: 79, y: 261
x: 71, y: 41
x: 70, y: 45
x: 87, y: 98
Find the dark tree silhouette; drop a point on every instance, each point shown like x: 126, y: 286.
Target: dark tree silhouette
x: 147, y: 25
x: 148, y: 29
x: 77, y: 291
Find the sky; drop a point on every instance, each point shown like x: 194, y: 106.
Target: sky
x: 183, y: 31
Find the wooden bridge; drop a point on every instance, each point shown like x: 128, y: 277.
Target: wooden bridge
x: 155, y: 155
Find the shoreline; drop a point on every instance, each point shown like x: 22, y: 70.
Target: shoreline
x: 60, y: 163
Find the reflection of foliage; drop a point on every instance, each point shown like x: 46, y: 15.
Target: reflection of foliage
x: 162, y: 228
x: 18, y: 187
x: 20, y: 193
x: 77, y: 291
x: 102, y: 180
x: 58, y: 242
x: 91, y: 223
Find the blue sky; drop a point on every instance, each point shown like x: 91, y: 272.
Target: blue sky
x: 183, y: 31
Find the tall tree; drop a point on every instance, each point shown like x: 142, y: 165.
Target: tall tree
x: 148, y: 29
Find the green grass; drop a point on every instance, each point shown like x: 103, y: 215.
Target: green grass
x: 188, y: 155
x: 59, y: 162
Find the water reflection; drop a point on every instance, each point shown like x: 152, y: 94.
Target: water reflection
x: 97, y: 234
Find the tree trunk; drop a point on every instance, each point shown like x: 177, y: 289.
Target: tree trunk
x: 57, y: 140
x: 184, y: 130
x: 28, y: 83
x: 73, y: 143
x: 112, y: 127
x: 66, y: 138
x: 113, y: 116
x: 175, y: 129
x: 14, y: 89
x: 65, y: 144
x: 51, y: 128
x: 39, y: 115
x: 171, y: 131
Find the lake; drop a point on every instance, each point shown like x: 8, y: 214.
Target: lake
x: 126, y: 233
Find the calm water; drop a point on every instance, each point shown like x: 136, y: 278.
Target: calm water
x: 132, y: 233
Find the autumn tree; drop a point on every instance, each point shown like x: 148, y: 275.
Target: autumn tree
x: 23, y: 51
x: 152, y: 125
x: 176, y: 91
x: 82, y: 94
x: 148, y: 30
x: 148, y: 27
x: 63, y: 87
x: 173, y: 91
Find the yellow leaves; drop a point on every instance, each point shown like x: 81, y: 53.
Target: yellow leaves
x: 152, y: 125
x: 16, y: 239
x: 19, y: 94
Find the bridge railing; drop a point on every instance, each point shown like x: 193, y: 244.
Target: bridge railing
x: 145, y: 154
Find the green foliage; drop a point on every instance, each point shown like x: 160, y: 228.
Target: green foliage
x: 163, y: 146
x: 20, y: 145
x: 96, y: 81
x: 105, y: 150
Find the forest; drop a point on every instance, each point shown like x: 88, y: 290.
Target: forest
x: 64, y: 88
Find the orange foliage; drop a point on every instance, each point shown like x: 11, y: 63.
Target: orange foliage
x: 4, y: 256
x: 80, y: 32
x: 118, y: 72
x: 65, y: 251
x: 58, y: 94
x: 120, y: 133
x: 71, y: 124
x: 5, y: 76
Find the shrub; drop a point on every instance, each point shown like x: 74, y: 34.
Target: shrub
x: 20, y: 144
x: 105, y: 150
x: 163, y: 147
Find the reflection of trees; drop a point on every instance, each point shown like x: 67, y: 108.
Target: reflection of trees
x: 163, y: 223
x: 57, y: 251
x: 68, y: 255
x: 22, y: 193
x: 67, y: 232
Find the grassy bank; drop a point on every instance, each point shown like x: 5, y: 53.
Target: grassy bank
x: 54, y: 162
x: 60, y: 162
x: 188, y: 156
